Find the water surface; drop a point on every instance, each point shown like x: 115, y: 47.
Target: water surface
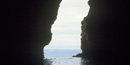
x: 65, y: 61
x: 63, y: 57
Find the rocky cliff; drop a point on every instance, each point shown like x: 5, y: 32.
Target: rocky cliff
x: 26, y: 24
x: 84, y: 37
x: 105, y: 31
x: 25, y: 30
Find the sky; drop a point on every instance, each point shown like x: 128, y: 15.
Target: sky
x: 67, y: 27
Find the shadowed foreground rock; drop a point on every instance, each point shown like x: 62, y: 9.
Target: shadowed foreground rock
x: 105, y: 38
x: 25, y: 30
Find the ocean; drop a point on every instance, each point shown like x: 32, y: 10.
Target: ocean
x: 62, y: 57
x: 61, y: 52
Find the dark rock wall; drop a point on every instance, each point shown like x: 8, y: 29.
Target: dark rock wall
x: 106, y: 31
x: 25, y: 30
x: 84, y: 37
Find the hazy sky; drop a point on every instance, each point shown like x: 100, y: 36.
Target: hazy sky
x: 67, y: 28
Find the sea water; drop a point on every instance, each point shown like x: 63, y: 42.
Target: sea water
x: 62, y: 57
x: 61, y: 52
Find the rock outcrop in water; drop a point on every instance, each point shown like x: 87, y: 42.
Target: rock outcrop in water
x: 106, y: 31
x: 25, y: 30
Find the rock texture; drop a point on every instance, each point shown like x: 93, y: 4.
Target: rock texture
x: 25, y: 30
x: 84, y: 37
x: 105, y: 37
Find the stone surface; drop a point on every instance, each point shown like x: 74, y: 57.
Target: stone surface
x: 84, y: 37
x: 25, y: 30
x: 107, y: 31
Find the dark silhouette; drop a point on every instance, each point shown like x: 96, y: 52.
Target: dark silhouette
x: 25, y: 30
x: 107, y: 31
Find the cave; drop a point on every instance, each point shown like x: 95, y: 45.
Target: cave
x: 26, y: 30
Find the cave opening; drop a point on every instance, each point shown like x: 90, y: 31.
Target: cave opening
x: 66, y: 30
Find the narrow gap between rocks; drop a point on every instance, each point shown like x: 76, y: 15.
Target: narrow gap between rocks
x: 67, y: 29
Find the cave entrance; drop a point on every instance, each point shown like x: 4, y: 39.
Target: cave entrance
x: 67, y: 29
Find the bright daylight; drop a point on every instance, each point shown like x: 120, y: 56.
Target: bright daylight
x: 66, y: 29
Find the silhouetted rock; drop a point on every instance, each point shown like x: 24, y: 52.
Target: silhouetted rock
x: 25, y: 30
x: 106, y: 31
x: 78, y: 55
x: 84, y: 37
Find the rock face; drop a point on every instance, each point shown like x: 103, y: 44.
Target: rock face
x: 84, y: 37
x: 105, y: 31
x: 25, y: 30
